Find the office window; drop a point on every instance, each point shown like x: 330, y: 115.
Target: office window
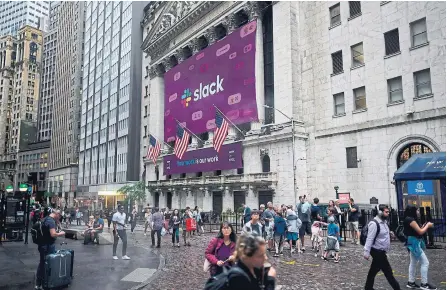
x: 392, y: 42
x: 359, y: 98
x: 145, y: 131
x: 395, y: 90
x: 339, y: 104
x: 418, y: 32
x: 422, y: 83
x: 335, y: 14
x: 145, y: 111
x: 337, y: 62
x: 355, y: 8
x: 357, y: 55
x: 351, y: 157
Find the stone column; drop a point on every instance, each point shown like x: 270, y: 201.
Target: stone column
x: 179, y: 55
x: 194, y: 45
x: 156, y: 99
x: 228, y: 199
x: 162, y: 199
x: 254, y: 11
x: 210, y: 35
x: 252, y: 197
x: 207, y: 199
x: 190, y: 199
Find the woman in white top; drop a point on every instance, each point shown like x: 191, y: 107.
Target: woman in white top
x: 148, y: 218
x: 198, y: 217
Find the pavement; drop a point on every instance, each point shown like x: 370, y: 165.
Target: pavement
x: 183, y: 268
x: 94, y: 267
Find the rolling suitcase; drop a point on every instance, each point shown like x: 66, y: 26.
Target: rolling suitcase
x: 58, y: 269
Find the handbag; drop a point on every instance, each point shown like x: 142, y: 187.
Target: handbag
x: 163, y: 232
x: 206, y: 265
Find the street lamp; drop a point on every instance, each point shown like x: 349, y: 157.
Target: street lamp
x: 293, y: 147
x: 25, y: 188
x: 336, y: 191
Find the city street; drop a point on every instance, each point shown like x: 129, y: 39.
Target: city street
x: 183, y: 268
x: 94, y: 267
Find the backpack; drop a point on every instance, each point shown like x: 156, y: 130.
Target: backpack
x: 364, y: 234
x: 37, y: 233
x: 400, y: 234
x: 222, y: 281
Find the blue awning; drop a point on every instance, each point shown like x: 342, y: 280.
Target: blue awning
x: 426, y: 166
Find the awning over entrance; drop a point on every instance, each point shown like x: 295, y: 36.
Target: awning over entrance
x: 426, y: 166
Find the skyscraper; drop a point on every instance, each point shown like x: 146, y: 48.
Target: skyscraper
x: 16, y: 14
x: 47, y: 93
x: 111, y: 96
x: 64, y: 147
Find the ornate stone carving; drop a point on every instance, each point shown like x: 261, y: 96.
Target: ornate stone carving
x: 230, y: 23
x: 210, y: 35
x: 254, y: 9
x: 167, y: 63
x: 179, y: 55
x: 194, y: 45
x: 155, y: 70
x: 176, y: 12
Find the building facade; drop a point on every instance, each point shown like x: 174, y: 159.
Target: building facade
x: 47, y: 92
x: 111, y: 97
x: 363, y: 82
x: 64, y: 149
x: 21, y: 62
x: 16, y: 14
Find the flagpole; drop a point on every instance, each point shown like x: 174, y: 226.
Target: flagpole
x: 160, y: 139
x: 229, y: 120
x: 188, y: 130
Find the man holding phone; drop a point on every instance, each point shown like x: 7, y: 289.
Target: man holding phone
x: 119, y: 231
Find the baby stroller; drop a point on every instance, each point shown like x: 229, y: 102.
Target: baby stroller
x: 317, y: 237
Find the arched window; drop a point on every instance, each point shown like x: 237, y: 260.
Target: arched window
x: 410, y: 150
x: 266, y: 163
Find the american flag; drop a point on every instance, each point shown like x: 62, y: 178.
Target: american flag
x: 154, y: 149
x: 181, y: 142
x: 221, y: 131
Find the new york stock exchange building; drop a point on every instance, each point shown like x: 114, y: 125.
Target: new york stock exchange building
x: 304, y: 94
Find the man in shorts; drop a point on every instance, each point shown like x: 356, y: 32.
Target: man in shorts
x: 353, y: 219
x: 268, y: 217
x: 303, y: 209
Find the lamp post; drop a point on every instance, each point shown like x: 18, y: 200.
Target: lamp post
x: 336, y: 191
x: 24, y: 188
x: 293, y: 149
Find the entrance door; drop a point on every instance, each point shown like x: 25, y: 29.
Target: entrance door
x: 239, y: 199
x: 217, y: 202
x: 265, y: 196
x: 157, y: 199
x: 169, y: 200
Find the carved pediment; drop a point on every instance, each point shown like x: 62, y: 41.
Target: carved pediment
x: 173, y: 18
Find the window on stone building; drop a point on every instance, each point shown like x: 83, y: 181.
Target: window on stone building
x: 337, y: 62
x: 392, y: 44
x: 145, y: 111
x: 418, y: 32
x: 146, y: 88
x: 351, y: 157
x: 339, y: 104
x: 422, y: 83
x: 360, y: 98
x: 187, y: 52
x: 241, y: 18
x: 395, y: 92
x: 335, y: 14
x: 145, y: 132
x: 199, y: 174
x: 269, y: 93
x: 241, y: 170
x: 265, y: 163
x: 218, y: 173
x: 357, y: 55
x: 203, y: 42
x: 220, y: 31
x: 355, y: 8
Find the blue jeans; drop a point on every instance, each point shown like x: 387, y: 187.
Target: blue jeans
x: 44, y: 250
x: 424, y: 268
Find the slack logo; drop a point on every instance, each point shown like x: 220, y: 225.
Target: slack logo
x: 208, y: 90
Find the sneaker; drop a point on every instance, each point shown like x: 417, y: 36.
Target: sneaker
x: 300, y: 252
x: 323, y: 258
x: 178, y: 245
x: 38, y: 288
x: 281, y: 254
x: 126, y: 257
x: 336, y: 260
x: 158, y: 246
x: 292, y: 251
x: 357, y: 243
x: 303, y: 249
x: 115, y: 257
x: 428, y: 286
x: 412, y: 285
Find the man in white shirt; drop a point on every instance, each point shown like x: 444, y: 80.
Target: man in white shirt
x: 119, y: 231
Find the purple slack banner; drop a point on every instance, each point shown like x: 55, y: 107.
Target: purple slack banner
x: 205, y: 160
x: 223, y: 75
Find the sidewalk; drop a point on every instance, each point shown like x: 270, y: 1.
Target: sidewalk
x: 94, y: 267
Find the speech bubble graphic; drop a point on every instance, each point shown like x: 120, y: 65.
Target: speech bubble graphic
x: 167, y: 113
x: 233, y: 55
x: 197, y: 115
x: 170, y: 139
x: 233, y: 114
x: 200, y: 55
x: 172, y: 97
x: 234, y: 99
x: 177, y: 76
x: 223, y: 50
x: 191, y: 67
x: 211, y: 124
x: 248, y: 29
x: 247, y: 48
